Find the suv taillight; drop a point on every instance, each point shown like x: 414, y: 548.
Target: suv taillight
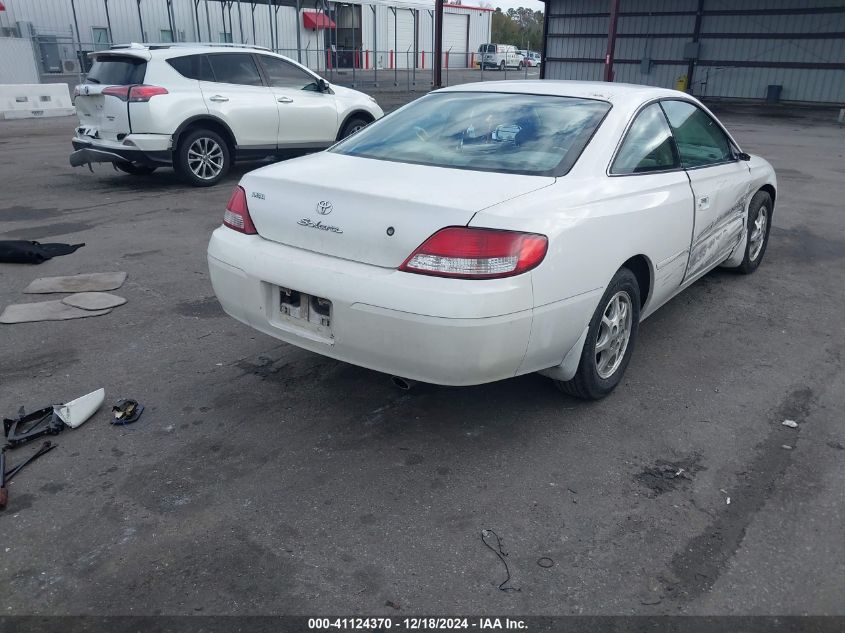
x: 134, y: 94
x: 237, y: 213
x: 140, y: 94
x: 472, y: 253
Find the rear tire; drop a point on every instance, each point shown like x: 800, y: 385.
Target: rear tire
x: 520, y: 67
x: 758, y: 227
x: 353, y: 125
x: 202, y: 158
x: 610, y: 342
x: 502, y: 66
x: 136, y: 170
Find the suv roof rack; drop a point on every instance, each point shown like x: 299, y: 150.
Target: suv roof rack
x: 161, y: 45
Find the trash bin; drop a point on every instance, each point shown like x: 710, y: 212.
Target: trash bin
x: 773, y: 93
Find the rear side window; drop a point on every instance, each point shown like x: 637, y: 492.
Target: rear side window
x: 192, y: 67
x: 648, y: 146
x: 235, y: 68
x: 116, y: 70
x: 700, y: 140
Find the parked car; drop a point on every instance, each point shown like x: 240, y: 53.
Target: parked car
x: 490, y: 230
x: 530, y: 58
x: 499, y: 56
x: 201, y: 107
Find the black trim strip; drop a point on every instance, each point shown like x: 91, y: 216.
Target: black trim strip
x: 825, y: 35
x: 622, y: 14
x: 709, y: 62
x: 758, y: 64
x: 603, y: 36
x: 714, y: 12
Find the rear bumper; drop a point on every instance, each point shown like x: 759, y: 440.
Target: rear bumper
x: 144, y: 149
x: 441, y: 331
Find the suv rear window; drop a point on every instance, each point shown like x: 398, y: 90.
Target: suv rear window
x: 192, y: 67
x: 116, y: 70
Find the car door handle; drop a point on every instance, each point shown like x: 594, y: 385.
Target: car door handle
x: 284, y: 100
x: 218, y: 98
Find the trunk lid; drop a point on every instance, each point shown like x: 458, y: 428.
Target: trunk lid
x: 103, y: 115
x: 346, y: 206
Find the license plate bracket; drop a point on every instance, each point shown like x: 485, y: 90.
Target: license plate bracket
x: 308, y: 312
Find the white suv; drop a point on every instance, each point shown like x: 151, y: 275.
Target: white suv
x: 200, y: 107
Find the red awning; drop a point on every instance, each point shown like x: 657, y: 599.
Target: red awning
x: 315, y: 20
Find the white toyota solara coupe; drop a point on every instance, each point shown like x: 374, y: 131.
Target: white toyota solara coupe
x: 490, y: 230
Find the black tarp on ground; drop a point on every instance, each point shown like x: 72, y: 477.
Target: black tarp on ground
x: 25, y: 252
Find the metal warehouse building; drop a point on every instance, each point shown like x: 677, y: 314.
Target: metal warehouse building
x: 322, y: 34
x: 788, y: 49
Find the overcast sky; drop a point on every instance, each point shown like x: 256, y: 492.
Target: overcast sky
x: 508, y: 4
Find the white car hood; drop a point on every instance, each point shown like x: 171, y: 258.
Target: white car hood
x: 368, y: 210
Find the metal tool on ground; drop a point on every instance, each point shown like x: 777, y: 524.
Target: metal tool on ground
x: 126, y: 411
x: 4, y: 494
x: 6, y: 477
x: 46, y: 447
x: 27, y: 427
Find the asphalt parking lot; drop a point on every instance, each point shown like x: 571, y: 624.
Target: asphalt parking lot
x: 263, y: 479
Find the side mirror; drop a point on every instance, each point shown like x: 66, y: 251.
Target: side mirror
x: 322, y: 85
x: 743, y: 156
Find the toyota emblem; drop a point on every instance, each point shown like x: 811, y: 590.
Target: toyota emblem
x: 324, y: 207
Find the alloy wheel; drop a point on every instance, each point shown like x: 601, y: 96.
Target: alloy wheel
x: 205, y: 158
x: 614, y: 334
x: 758, y: 233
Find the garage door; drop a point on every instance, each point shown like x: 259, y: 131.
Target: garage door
x: 455, y: 28
x: 400, y: 37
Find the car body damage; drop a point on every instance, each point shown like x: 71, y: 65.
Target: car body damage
x: 476, y: 235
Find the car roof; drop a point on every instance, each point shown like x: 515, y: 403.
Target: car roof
x: 604, y: 91
x: 167, y: 50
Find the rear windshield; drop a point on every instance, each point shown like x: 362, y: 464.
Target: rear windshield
x: 537, y: 135
x: 114, y: 70
x: 487, y: 48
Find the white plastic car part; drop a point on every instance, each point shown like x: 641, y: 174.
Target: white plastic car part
x: 78, y: 411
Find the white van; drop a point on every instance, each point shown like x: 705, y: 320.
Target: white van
x: 499, y: 56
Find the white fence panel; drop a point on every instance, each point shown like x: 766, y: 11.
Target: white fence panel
x: 17, y: 61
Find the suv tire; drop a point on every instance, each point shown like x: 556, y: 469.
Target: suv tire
x: 202, y: 158
x: 353, y: 125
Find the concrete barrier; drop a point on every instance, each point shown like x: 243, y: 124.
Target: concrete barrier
x: 30, y: 101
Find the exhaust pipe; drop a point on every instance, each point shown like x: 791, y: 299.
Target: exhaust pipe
x: 405, y: 384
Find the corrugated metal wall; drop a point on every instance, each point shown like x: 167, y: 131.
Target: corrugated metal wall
x: 239, y: 22
x: 743, y: 46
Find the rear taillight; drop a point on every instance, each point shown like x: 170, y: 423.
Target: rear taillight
x: 470, y: 253
x: 237, y: 213
x: 121, y: 92
x: 140, y: 94
x: 134, y: 94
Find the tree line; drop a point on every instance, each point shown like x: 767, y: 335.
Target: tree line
x: 521, y: 27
